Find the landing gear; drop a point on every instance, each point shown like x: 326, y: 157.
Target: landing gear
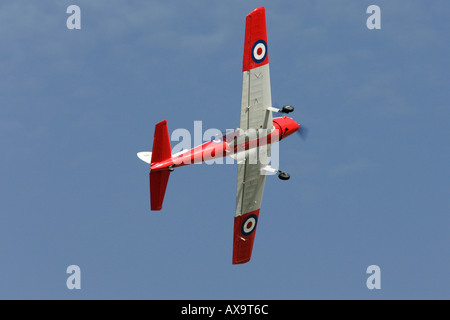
x: 287, y: 109
x: 283, y: 175
x: 170, y: 168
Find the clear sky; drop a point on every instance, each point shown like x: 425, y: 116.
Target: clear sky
x: 370, y: 186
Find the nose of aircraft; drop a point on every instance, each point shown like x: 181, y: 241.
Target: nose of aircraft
x: 287, y: 125
x: 293, y: 125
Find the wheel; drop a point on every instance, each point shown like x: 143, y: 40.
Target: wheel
x: 283, y: 175
x: 287, y: 109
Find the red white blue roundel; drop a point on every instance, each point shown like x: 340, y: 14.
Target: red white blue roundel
x: 249, y: 225
x: 259, y: 51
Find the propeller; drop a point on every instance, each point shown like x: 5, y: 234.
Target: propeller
x: 303, y: 132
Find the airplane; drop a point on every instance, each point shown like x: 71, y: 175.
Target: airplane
x: 257, y: 131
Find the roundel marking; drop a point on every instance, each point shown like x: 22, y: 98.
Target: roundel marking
x: 249, y: 225
x: 259, y: 51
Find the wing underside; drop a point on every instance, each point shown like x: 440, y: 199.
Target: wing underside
x: 256, y: 98
x: 250, y: 189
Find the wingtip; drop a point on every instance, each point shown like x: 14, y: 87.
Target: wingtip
x: 259, y: 9
x: 240, y: 261
x: 256, y: 11
x: 255, y: 44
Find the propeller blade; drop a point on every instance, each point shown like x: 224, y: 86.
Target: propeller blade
x: 303, y: 132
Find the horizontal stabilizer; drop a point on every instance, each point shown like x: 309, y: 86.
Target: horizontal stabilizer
x: 161, y: 151
x: 145, y: 156
x: 158, y: 185
x: 161, y: 143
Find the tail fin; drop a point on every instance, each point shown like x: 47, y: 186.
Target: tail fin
x: 161, y: 143
x: 158, y: 179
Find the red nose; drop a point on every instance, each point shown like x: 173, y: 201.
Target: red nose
x: 287, y: 126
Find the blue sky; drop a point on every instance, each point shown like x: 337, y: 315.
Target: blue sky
x: 370, y: 186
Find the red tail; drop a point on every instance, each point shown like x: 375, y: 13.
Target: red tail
x: 161, y: 143
x: 158, y: 184
x: 158, y: 179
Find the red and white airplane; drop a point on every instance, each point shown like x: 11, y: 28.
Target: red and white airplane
x: 256, y: 118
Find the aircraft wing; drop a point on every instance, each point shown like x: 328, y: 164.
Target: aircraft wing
x: 256, y: 98
x: 250, y: 189
x: 256, y: 94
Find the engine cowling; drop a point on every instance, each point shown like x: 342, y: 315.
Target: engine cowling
x: 286, y: 126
